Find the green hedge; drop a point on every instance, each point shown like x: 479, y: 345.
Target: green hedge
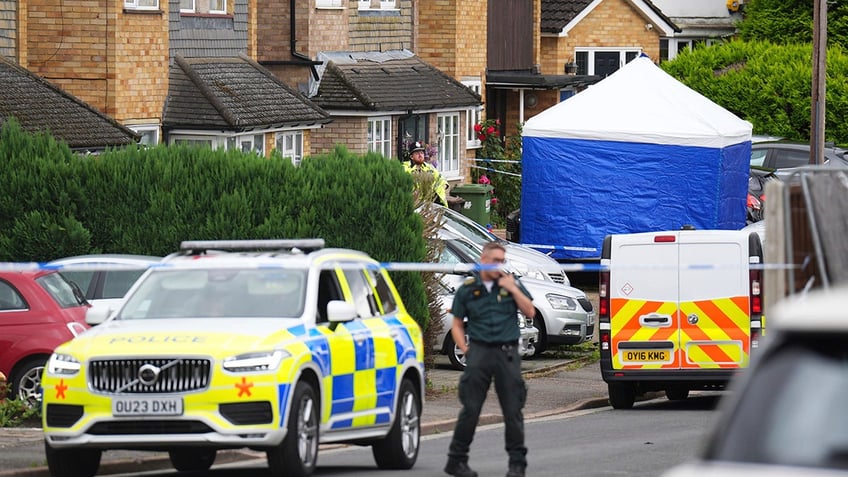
x: 146, y: 201
x: 769, y: 85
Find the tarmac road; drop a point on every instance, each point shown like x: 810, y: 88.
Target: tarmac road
x: 554, y: 384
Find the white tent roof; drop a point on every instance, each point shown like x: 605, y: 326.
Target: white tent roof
x: 641, y: 103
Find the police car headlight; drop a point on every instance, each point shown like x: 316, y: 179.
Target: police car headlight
x: 561, y: 302
x: 255, y: 362
x: 62, y: 365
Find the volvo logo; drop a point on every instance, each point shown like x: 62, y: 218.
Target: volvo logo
x: 148, y: 374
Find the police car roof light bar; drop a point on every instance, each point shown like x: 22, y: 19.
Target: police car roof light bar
x: 196, y: 247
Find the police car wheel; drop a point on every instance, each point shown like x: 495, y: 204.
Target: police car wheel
x: 192, y: 459
x: 72, y: 462
x: 399, y: 449
x: 297, y: 455
x: 621, y: 396
x: 455, y: 355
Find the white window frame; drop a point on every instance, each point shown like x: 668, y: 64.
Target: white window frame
x: 378, y: 5
x: 188, y: 10
x: 329, y: 4
x: 622, y: 55
x: 448, y: 128
x: 254, y: 143
x: 212, y: 141
x: 472, y: 116
x: 146, y: 131
x: 141, y: 4
x: 218, y: 11
x: 290, y: 145
x: 380, y: 135
x: 675, y: 45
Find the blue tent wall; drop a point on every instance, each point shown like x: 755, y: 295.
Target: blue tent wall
x: 575, y: 191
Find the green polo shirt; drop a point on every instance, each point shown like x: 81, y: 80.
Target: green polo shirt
x: 492, y: 315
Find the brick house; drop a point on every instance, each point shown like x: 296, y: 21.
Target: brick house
x: 701, y: 23
x: 579, y: 42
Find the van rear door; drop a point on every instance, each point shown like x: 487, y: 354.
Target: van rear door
x: 679, y: 300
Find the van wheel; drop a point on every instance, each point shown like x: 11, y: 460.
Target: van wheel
x: 455, y: 355
x: 621, y: 396
x: 542, y: 344
x: 677, y: 393
x: 72, y: 462
x: 192, y: 459
x: 399, y: 449
x: 297, y: 455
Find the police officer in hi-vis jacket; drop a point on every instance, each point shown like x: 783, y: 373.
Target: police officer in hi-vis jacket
x: 490, y: 302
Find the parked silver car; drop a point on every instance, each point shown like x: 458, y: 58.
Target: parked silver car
x: 105, y: 278
x: 526, y: 261
x: 564, y: 315
x: 786, y: 414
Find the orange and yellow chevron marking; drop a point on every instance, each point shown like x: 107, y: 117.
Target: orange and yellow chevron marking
x: 719, y: 339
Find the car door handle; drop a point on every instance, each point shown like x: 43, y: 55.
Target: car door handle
x: 655, y: 320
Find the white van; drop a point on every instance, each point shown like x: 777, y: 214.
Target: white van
x: 678, y: 310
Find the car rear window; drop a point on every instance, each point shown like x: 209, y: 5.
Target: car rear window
x: 793, y: 411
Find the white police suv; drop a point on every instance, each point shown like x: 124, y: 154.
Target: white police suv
x: 275, y: 345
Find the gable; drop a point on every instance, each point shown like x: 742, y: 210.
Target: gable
x: 560, y: 16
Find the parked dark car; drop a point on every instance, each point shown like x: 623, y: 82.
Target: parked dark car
x: 784, y: 155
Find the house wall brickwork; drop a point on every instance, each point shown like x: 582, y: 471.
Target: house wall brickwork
x: 611, y: 24
x: 328, y: 30
x: 9, y: 30
x: 381, y: 30
x: 347, y: 130
x: 139, y: 84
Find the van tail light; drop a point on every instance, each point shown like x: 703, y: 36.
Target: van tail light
x: 604, y: 339
x: 603, y: 295
x: 755, y: 337
x: 756, y: 296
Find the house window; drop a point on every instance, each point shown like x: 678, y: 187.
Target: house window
x: 378, y: 4
x: 216, y: 7
x: 149, y: 133
x: 603, y: 62
x: 448, y: 125
x: 328, y: 4
x: 141, y: 4
x: 380, y: 135
x: 193, y: 141
x: 247, y: 143
x: 290, y: 145
x: 472, y: 116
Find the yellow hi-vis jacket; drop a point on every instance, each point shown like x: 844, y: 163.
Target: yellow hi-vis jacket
x: 440, y: 185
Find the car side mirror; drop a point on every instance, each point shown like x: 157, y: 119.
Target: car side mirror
x: 97, y: 314
x: 339, y: 311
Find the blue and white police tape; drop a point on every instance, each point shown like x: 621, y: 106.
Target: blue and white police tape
x: 449, y: 268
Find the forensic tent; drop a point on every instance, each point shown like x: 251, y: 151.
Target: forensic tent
x: 637, y: 152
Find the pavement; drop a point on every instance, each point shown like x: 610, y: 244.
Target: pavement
x: 556, y: 384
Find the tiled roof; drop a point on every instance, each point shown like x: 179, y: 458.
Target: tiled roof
x: 389, y: 82
x: 39, y: 106
x: 235, y: 94
x: 557, y: 13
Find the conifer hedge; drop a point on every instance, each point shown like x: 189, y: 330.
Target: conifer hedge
x: 54, y: 203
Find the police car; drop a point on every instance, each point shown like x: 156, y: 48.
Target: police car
x: 274, y: 345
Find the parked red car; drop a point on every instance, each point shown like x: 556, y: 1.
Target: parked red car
x: 39, y: 310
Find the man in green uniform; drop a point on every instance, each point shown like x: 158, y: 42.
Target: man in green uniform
x: 490, y: 301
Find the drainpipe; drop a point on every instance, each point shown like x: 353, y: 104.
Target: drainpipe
x: 300, y: 58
